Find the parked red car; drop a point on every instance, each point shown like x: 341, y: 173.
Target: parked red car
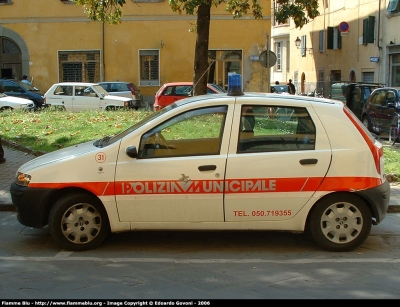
x: 171, y: 92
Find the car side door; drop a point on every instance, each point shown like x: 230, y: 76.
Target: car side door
x: 60, y: 96
x: 13, y: 89
x: 374, y: 109
x: 274, y: 170
x: 178, y: 175
x: 85, y: 98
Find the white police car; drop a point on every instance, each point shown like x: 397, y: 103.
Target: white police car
x: 234, y: 161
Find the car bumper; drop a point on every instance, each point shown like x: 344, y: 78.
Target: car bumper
x: 378, y: 198
x: 30, y: 204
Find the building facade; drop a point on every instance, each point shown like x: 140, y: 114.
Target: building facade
x: 54, y: 41
x: 351, y: 40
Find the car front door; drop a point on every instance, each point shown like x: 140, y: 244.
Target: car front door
x: 274, y: 170
x: 85, y: 98
x: 178, y: 175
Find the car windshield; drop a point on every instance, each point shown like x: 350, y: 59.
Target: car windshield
x: 100, y: 90
x: 218, y: 87
x: 27, y: 86
x: 110, y: 139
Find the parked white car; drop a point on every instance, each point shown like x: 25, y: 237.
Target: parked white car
x: 10, y: 103
x: 79, y: 96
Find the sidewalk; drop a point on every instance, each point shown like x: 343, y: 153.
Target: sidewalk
x: 15, y: 158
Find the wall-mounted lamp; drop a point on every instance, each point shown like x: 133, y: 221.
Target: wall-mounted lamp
x: 391, y: 42
x: 297, y: 42
x: 162, y: 44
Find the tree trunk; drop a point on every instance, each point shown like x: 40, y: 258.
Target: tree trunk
x: 201, y: 49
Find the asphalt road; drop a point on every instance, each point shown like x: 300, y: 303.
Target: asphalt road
x: 198, y: 266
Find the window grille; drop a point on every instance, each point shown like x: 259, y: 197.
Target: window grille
x: 149, y: 67
x: 79, y: 66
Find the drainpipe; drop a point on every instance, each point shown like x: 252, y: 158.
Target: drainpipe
x: 379, y: 25
x: 103, y: 55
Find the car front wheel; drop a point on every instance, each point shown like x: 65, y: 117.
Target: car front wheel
x: 78, y: 222
x: 340, y: 222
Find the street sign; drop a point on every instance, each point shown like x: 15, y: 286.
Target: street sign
x: 267, y: 60
x: 344, y: 26
x: 374, y: 59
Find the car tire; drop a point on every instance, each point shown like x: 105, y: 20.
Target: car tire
x: 340, y: 222
x: 78, y: 222
x: 394, y: 135
x: 366, y: 122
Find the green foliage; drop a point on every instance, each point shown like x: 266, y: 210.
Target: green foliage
x: 236, y: 7
x: 302, y: 11
x: 108, y: 11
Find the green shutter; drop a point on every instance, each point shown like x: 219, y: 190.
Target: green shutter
x: 371, y: 29
x: 365, y: 31
x: 329, y: 41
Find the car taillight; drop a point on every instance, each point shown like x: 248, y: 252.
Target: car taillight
x: 132, y: 89
x: 377, y: 152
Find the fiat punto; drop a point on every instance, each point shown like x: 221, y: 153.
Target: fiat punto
x: 232, y: 161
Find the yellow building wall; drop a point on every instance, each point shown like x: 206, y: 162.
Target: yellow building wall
x: 49, y: 26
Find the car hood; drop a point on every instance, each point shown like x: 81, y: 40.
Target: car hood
x: 64, y: 154
x: 120, y: 98
x: 15, y: 100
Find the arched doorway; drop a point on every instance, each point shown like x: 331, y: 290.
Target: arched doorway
x: 303, y: 83
x: 14, y: 55
x: 10, y: 59
x: 352, y: 76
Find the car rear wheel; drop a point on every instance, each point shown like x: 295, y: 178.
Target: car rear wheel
x: 340, y: 222
x: 78, y: 222
x: 366, y: 122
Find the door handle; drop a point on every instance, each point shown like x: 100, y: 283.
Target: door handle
x: 203, y: 168
x: 308, y: 161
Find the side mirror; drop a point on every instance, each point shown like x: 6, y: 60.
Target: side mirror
x: 131, y: 151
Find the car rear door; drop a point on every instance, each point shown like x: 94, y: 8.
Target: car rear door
x: 273, y: 171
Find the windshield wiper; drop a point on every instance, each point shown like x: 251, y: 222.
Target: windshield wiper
x: 102, y: 142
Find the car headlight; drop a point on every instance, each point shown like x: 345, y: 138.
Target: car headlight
x: 23, y: 179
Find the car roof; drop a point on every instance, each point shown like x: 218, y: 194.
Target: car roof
x: 110, y: 82
x: 75, y: 83
x: 397, y: 88
x: 267, y: 97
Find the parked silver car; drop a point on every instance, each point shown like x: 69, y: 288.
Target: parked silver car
x: 124, y: 89
x: 10, y: 103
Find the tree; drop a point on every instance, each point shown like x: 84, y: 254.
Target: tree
x: 110, y: 11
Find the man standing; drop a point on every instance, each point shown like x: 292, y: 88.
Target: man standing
x: 292, y: 89
x: 25, y: 80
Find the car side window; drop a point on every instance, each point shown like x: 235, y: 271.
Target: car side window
x: 379, y: 98
x: 63, y: 90
x: 276, y: 129
x: 193, y: 133
x: 79, y: 90
x: 11, y: 87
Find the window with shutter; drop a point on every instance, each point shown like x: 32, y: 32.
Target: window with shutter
x: 369, y: 30
x: 149, y: 67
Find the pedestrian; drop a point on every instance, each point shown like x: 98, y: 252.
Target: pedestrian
x: 277, y: 82
x: 2, y: 159
x: 25, y: 80
x: 292, y: 89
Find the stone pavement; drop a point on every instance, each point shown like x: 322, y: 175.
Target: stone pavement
x: 16, y: 157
